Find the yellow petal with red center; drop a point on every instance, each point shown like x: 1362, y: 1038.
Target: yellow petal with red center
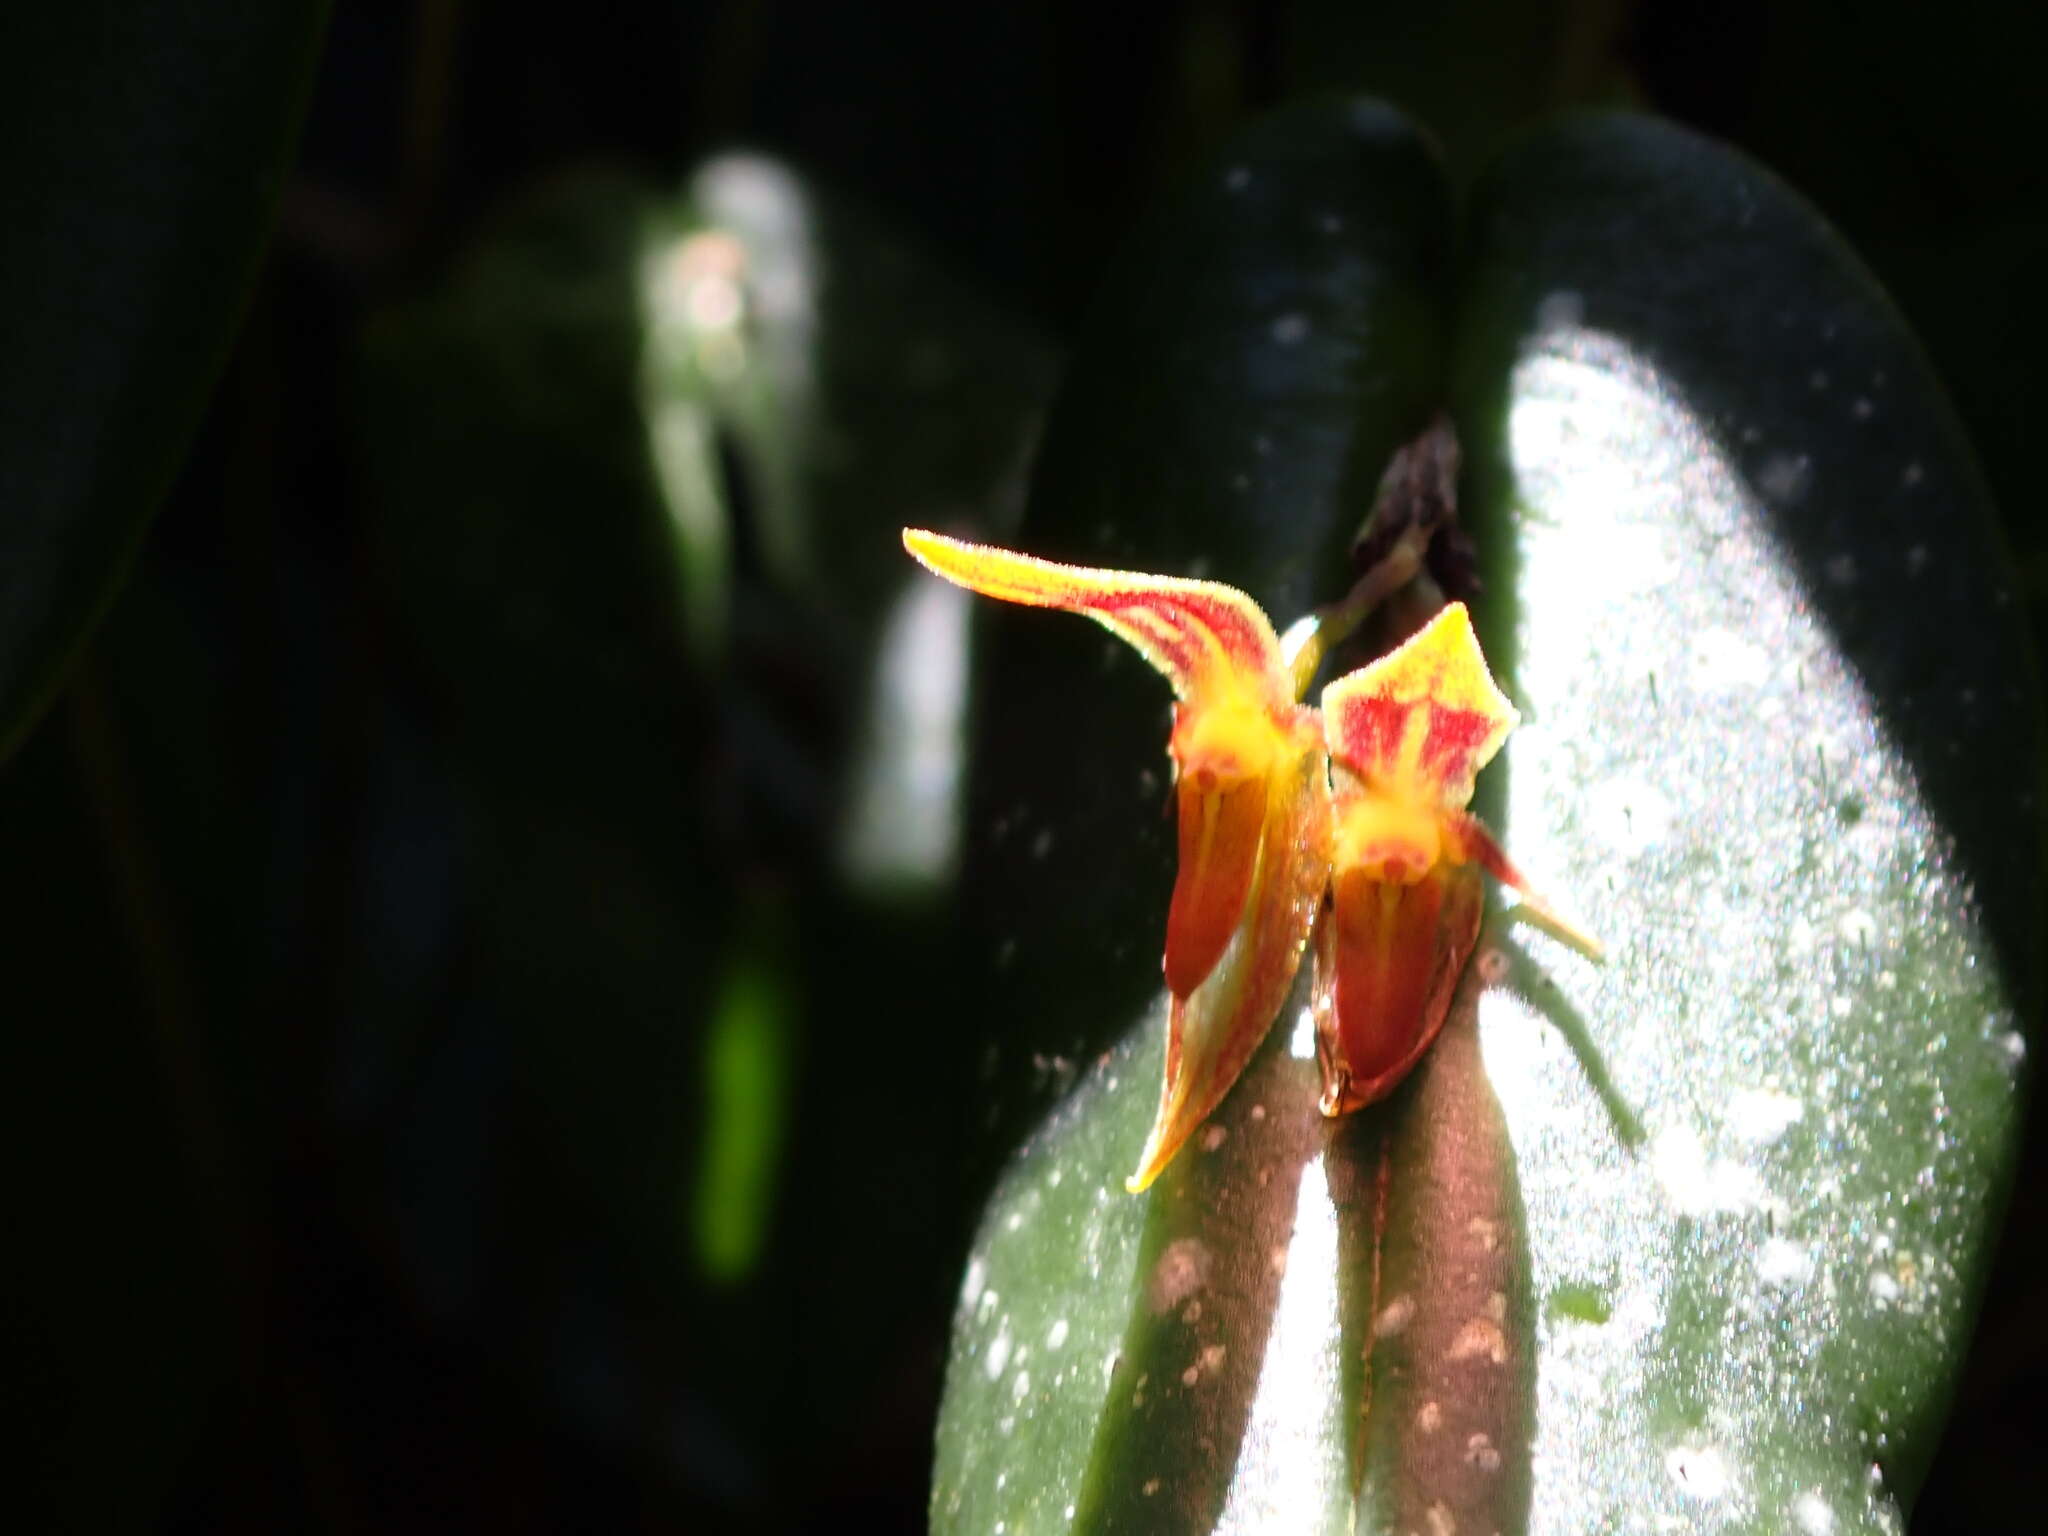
x: 1387, y: 962
x: 1207, y: 638
x: 1213, y: 1029
x: 1425, y: 718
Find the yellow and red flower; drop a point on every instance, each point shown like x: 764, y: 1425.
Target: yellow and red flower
x: 1252, y: 797
x: 1262, y: 839
x: 1407, y: 735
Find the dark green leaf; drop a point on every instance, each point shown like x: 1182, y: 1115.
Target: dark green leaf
x: 1250, y: 368
x: 1780, y: 749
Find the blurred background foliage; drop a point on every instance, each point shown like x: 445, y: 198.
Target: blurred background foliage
x: 473, y: 1062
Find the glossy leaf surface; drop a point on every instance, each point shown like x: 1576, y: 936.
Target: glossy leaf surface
x: 1784, y: 749
x: 1692, y: 1238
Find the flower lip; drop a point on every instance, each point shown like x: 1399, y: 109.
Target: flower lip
x: 1394, y: 837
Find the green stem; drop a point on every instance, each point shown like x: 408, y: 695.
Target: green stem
x: 1308, y: 640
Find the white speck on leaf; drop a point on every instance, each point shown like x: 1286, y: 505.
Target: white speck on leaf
x: 1480, y: 1452
x: 1785, y: 477
x: 1783, y: 1262
x: 998, y: 1356
x: 1480, y: 1338
x: 1726, y: 662
x: 1394, y: 1316
x: 1813, y: 1514
x: 1761, y: 1115
x: 1696, y: 1187
x: 1182, y: 1270
x: 1561, y: 310
x: 1700, y: 1472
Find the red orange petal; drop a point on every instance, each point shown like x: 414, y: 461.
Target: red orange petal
x: 1212, y: 1032
x: 1387, y: 962
x: 1220, y: 832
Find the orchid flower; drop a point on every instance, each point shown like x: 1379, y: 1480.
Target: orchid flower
x: 1261, y: 840
x: 1252, y: 797
x: 1407, y: 735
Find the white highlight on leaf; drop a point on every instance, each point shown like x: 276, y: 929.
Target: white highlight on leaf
x: 1761, y: 1115
x: 1697, y: 1187
x: 1700, y: 1471
x: 1292, y: 1457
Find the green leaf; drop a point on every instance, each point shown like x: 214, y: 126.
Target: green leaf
x: 142, y: 150
x: 1784, y: 747
x: 641, y: 445
x: 1694, y: 1236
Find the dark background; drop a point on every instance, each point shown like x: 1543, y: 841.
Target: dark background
x: 319, y: 1237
